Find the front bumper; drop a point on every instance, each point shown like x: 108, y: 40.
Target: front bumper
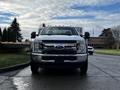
x: 60, y: 58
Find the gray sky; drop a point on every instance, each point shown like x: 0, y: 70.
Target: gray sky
x: 92, y: 15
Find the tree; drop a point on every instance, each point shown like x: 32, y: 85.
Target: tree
x: 11, y: 35
x: 0, y: 34
x: 15, y: 30
x: 5, y: 35
x: 116, y: 34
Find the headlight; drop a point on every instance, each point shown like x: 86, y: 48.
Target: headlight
x: 36, y: 46
x: 41, y: 46
x: 81, y: 47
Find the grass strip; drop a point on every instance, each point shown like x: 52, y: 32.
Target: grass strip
x: 108, y: 51
x: 12, y: 59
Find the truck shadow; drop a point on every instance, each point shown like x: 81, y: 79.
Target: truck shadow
x: 58, y: 79
x: 52, y: 79
x: 59, y: 72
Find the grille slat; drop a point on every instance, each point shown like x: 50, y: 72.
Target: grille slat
x: 59, y: 58
x: 53, y: 51
x: 58, y: 41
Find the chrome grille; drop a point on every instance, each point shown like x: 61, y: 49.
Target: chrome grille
x: 59, y: 47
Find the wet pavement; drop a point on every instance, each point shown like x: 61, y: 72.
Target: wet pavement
x: 103, y: 74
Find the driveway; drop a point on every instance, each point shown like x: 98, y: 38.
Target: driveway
x: 103, y: 74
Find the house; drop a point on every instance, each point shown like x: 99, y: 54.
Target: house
x: 105, y: 40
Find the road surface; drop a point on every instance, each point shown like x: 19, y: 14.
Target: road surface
x: 103, y: 74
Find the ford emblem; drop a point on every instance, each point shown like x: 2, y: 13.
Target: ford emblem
x: 59, y: 47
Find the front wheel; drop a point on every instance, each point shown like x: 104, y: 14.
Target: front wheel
x: 34, y: 68
x: 84, y: 67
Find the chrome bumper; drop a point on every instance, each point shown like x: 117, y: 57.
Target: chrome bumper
x: 37, y: 57
x: 38, y: 54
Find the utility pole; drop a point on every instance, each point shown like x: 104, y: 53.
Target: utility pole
x: 93, y: 32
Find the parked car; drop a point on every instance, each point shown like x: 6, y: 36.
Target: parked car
x: 90, y: 50
x: 59, y: 47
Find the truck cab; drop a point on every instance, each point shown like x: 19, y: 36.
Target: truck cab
x: 58, y: 46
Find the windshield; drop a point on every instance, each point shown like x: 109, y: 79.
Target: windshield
x: 59, y: 31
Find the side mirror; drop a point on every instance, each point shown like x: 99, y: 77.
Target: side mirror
x: 33, y: 34
x: 87, y: 35
x: 81, y: 35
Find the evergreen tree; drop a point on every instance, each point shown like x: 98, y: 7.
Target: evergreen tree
x: 9, y: 30
x: 0, y: 34
x: 5, y: 35
x: 11, y: 35
x: 15, y: 31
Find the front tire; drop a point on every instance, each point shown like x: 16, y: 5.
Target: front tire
x: 84, y: 67
x: 34, y: 68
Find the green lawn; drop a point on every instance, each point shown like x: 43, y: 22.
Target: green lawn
x: 12, y: 59
x: 108, y: 51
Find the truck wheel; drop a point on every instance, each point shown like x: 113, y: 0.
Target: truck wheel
x: 84, y: 67
x: 34, y: 68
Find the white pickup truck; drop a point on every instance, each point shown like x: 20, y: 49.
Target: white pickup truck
x: 60, y: 47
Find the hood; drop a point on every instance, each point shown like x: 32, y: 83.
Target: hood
x: 58, y: 37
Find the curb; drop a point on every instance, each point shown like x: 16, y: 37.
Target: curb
x: 15, y: 67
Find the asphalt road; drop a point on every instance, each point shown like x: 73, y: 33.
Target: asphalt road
x: 103, y: 74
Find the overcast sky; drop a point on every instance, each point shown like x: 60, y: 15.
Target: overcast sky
x: 92, y: 15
